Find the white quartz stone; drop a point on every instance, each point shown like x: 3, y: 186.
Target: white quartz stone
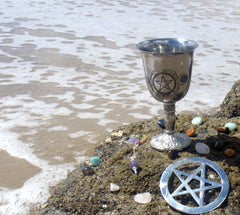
x: 143, y: 198
x: 114, y: 187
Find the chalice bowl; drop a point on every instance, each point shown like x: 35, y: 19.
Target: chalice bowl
x: 168, y: 67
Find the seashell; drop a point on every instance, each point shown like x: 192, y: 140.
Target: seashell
x: 230, y: 125
x: 190, y: 132
x: 197, y: 120
x: 229, y: 152
x: 202, y: 148
x: 114, y: 187
x: 143, y: 198
x: 95, y: 161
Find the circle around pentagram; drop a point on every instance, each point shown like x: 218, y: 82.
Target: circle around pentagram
x: 172, y: 169
x: 164, y: 82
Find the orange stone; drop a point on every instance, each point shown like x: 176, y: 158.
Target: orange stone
x: 190, y: 132
x: 223, y: 130
x: 229, y: 152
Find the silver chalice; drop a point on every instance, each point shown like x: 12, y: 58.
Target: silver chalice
x: 168, y: 66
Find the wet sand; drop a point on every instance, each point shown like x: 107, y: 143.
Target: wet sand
x: 65, y: 84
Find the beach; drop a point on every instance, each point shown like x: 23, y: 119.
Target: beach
x: 70, y: 73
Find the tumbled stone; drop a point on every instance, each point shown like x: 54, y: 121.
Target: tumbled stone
x: 133, y: 140
x: 161, y: 123
x: 143, y: 198
x: 87, y: 170
x: 223, y: 130
x: 229, y: 152
x: 197, y: 120
x: 173, y: 154
x: 95, y: 161
x: 231, y: 125
x: 114, y: 187
x: 134, y: 165
x: 202, y: 148
x: 190, y: 132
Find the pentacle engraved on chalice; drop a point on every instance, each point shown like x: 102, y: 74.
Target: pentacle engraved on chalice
x: 194, y: 185
x: 164, y: 82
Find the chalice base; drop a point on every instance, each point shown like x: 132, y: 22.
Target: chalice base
x: 164, y: 141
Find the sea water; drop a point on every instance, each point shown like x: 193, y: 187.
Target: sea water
x: 70, y: 73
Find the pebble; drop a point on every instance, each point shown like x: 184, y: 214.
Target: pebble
x: 218, y: 146
x: 161, y: 123
x: 230, y: 125
x: 224, y: 130
x: 117, y: 133
x: 197, y: 120
x: 95, y: 161
x: 173, y: 154
x: 202, y: 148
x: 114, y: 187
x: 190, y: 132
x: 143, y: 198
x: 229, y: 152
x: 87, y: 170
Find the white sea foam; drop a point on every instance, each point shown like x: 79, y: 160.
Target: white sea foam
x: 72, y: 68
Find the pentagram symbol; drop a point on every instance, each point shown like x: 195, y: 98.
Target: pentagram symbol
x: 164, y: 82
x: 194, y: 185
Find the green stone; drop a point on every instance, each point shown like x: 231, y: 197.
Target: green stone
x: 197, y: 121
x: 95, y: 161
x: 230, y: 125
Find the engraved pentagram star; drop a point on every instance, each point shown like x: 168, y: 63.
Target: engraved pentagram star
x: 164, y: 83
x: 197, y: 193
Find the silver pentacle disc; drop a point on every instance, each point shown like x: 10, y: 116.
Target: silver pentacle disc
x: 194, y: 185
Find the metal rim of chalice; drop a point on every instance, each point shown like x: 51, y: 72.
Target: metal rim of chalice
x: 172, y: 169
x: 167, y: 46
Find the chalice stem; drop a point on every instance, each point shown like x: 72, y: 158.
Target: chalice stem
x: 169, y: 117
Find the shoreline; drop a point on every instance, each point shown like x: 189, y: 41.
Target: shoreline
x: 81, y: 194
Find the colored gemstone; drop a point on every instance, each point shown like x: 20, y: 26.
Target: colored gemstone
x: 143, y: 198
x: 197, y: 120
x: 191, y: 132
x: 95, y: 161
x: 114, y: 187
x: 133, y: 165
x: 229, y: 152
x: 223, y: 130
x: 231, y: 125
x: 133, y: 140
x: 161, y: 123
x: 202, y: 148
x: 173, y: 154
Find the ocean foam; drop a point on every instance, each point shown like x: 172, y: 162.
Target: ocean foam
x: 72, y: 68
